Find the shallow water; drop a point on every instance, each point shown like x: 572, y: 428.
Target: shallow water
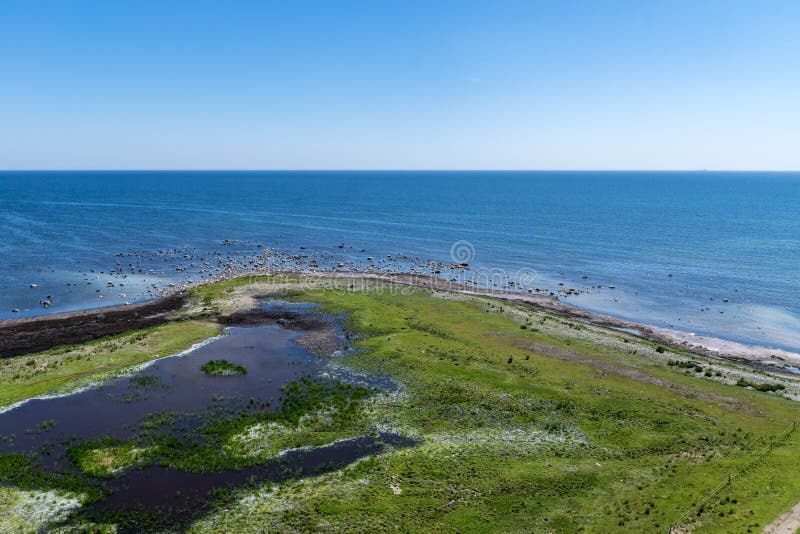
x: 175, y: 498
x: 117, y: 407
x: 173, y: 384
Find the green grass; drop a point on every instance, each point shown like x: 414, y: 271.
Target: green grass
x: 516, y: 440
x: 314, y: 413
x: 27, y: 376
x: 555, y: 427
x: 211, y: 298
x: 223, y: 368
x: 106, y: 457
x: 207, y: 294
x: 24, y: 473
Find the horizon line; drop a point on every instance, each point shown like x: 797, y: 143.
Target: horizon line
x: 146, y: 169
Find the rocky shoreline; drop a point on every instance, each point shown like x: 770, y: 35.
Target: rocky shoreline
x: 22, y: 336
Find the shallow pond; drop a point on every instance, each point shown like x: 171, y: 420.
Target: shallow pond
x: 273, y: 354
x: 175, y: 384
x: 158, y: 498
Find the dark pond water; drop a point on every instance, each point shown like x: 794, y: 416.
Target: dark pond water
x: 170, y: 498
x: 176, y: 384
x: 156, y: 498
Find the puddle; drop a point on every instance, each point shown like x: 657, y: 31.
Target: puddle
x: 633, y: 331
x: 288, y: 306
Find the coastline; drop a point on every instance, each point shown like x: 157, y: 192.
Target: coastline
x: 708, y: 346
x: 33, y: 334
x: 501, y: 380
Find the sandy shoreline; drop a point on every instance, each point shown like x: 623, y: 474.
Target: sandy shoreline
x: 18, y: 336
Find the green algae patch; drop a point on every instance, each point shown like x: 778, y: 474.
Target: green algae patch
x: 223, y: 368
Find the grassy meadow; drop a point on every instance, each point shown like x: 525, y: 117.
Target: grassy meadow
x: 522, y: 421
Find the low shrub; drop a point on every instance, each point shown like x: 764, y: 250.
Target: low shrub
x: 761, y: 386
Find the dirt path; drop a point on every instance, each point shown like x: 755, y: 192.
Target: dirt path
x: 788, y: 523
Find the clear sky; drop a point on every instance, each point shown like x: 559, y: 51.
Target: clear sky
x: 408, y: 84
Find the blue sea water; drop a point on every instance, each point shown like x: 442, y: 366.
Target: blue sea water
x: 733, y: 236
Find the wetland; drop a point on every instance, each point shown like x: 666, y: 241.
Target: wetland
x: 358, y: 407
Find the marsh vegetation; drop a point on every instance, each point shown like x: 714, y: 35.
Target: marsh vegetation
x: 223, y: 368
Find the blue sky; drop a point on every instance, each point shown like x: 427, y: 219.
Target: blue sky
x: 400, y: 85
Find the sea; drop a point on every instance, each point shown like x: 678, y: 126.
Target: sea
x: 713, y: 253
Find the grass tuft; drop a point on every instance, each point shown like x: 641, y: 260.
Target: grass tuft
x: 223, y: 368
